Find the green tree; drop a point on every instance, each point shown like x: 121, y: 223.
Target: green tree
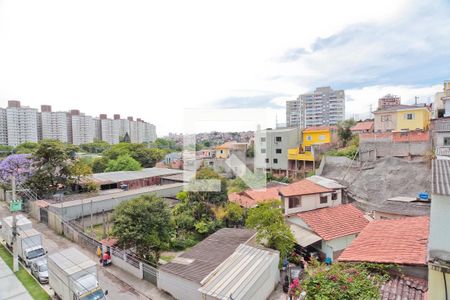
x: 5, y: 150
x: 123, y: 163
x: 52, y: 162
x: 147, y: 157
x: 79, y: 170
x: 26, y: 148
x: 344, y: 132
x: 267, y: 218
x: 234, y: 214
x: 95, y: 147
x: 99, y: 164
x: 251, y: 150
x: 145, y: 224
x: 198, y: 186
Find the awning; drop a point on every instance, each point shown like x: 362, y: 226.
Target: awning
x: 303, y: 236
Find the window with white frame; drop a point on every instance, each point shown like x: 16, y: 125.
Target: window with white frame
x: 409, y: 116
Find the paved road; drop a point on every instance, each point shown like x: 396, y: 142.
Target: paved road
x: 120, y: 285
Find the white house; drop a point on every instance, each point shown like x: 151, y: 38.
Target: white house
x: 329, y: 230
x: 309, y: 194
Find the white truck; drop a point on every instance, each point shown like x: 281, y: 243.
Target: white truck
x: 29, y: 243
x: 22, y: 223
x: 73, y: 276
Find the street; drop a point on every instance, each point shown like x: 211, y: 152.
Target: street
x: 120, y: 285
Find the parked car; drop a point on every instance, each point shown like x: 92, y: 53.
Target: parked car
x: 39, y: 270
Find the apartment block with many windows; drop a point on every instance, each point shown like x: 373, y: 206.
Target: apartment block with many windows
x: 21, y: 123
x: 52, y: 125
x: 3, y: 127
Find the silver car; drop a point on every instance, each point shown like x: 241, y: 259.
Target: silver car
x: 40, y: 271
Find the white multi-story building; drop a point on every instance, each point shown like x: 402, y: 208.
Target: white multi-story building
x: 21, y: 124
x: 52, y: 125
x: 134, y: 131
x: 124, y: 126
x: 3, y: 128
x: 110, y: 130
x: 82, y: 128
x: 324, y: 106
x: 97, y: 129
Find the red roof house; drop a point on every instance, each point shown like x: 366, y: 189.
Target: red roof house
x: 250, y: 198
x: 336, y: 227
x: 362, y: 127
x: 400, y: 241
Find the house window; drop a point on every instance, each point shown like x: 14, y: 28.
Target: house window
x: 309, y: 138
x: 307, y: 148
x: 221, y: 151
x: 267, y: 160
x: 322, y: 137
x: 409, y: 116
x: 446, y: 141
x: 278, y: 139
x: 385, y: 118
x: 334, y: 196
x: 275, y: 160
x: 323, y: 199
x: 263, y: 150
x: 295, y: 202
x: 278, y: 151
x: 263, y: 139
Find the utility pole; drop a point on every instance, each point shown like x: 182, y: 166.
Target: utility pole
x: 92, y: 222
x: 14, y: 228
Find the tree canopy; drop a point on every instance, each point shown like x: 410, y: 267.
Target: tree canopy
x: 145, y: 224
x: 344, y: 132
x: 211, y: 195
x: 267, y: 218
x: 26, y: 148
x: 147, y: 157
x: 16, y: 165
x: 123, y: 162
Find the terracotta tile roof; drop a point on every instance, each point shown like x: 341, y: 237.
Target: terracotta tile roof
x: 303, y: 187
x: 404, y: 288
x: 333, y: 222
x: 400, y: 241
x: 398, y: 107
x: 361, y: 126
x: 250, y: 198
x: 317, y: 128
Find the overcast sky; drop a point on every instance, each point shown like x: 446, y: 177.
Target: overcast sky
x: 155, y: 59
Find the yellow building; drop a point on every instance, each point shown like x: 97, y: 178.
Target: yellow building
x: 224, y: 151
x: 311, y: 136
x: 402, y: 118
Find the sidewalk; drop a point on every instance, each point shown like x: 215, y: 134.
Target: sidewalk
x: 10, y: 287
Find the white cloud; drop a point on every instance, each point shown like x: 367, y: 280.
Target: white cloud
x: 153, y: 59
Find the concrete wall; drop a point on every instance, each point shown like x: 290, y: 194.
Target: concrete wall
x: 439, y: 240
x: 436, y: 285
x: 121, y: 263
x: 337, y: 244
x: 75, y: 209
x: 178, y: 287
x: 310, y: 202
x: 382, y: 126
x: 389, y: 149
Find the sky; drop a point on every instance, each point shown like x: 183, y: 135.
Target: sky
x: 172, y: 62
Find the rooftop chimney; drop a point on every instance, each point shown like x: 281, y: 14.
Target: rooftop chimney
x: 74, y: 112
x: 139, y: 120
x: 46, y: 108
x: 103, y: 117
x: 13, y: 103
x: 116, y: 117
x: 130, y: 118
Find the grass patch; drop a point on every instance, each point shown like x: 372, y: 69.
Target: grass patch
x: 97, y: 233
x: 35, y: 290
x: 167, y: 258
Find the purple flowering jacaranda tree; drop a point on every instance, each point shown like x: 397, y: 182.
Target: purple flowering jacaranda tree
x: 17, y: 165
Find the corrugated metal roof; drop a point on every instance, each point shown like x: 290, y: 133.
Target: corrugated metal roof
x: 236, y: 275
x: 303, y: 236
x: 113, y: 177
x: 204, y: 257
x: 325, y: 182
x: 441, y: 177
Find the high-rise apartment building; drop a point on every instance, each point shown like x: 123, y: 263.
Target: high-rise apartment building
x: 324, y: 106
x: 110, y: 130
x: 3, y: 127
x: 82, y: 128
x: 294, y: 114
x: 52, y: 125
x: 21, y: 123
